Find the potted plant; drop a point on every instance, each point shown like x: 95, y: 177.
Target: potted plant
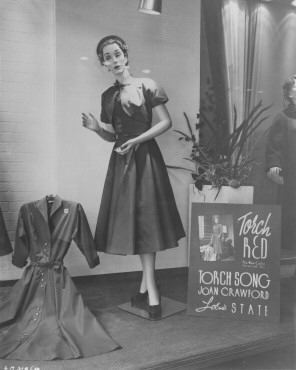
x: 224, y: 159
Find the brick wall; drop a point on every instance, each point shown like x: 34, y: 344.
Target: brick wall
x: 27, y: 166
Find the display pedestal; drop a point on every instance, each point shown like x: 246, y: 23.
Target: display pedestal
x: 169, y: 307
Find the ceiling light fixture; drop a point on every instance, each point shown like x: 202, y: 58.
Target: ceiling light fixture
x: 150, y: 6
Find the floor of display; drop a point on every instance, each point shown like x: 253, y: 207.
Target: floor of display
x: 179, y: 341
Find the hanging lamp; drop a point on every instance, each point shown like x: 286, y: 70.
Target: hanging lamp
x: 150, y: 6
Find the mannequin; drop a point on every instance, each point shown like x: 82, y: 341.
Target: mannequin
x: 138, y: 213
x: 281, y: 161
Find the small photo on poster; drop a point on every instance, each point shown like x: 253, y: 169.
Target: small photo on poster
x: 216, y: 238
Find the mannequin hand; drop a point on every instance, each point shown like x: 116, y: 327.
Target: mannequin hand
x: 126, y: 147
x: 276, y: 170
x: 90, y: 122
x: 274, y: 175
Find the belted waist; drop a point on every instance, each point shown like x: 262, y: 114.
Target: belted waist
x: 128, y: 135
x: 128, y: 129
x: 51, y: 265
x: 48, y: 265
x: 122, y: 138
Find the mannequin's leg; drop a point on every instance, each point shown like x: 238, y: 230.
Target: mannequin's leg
x: 143, y: 287
x: 148, y: 264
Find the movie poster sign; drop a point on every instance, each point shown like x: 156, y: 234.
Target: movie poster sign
x: 234, y: 266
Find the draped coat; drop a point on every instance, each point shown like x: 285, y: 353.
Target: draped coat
x: 44, y: 316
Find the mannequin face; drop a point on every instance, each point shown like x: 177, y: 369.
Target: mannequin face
x: 114, y: 59
x: 292, y: 95
x: 216, y: 220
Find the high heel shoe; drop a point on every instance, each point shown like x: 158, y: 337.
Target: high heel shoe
x: 141, y: 298
x: 155, y: 311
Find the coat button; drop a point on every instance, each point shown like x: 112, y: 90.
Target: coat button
x: 41, y: 285
x: 38, y: 308
x: 35, y: 319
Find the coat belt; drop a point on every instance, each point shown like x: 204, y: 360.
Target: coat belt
x: 51, y: 265
x: 48, y: 265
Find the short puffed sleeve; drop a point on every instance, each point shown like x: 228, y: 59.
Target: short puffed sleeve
x: 155, y: 92
x: 104, y: 116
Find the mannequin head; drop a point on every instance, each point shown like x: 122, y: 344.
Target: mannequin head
x: 109, y: 40
x: 216, y: 219
x: 289, y: 90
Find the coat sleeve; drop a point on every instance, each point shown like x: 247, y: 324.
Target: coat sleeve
x: 5, y: 246
x: 275, y: 144
x: 84, y: 240
x: 21, y: 248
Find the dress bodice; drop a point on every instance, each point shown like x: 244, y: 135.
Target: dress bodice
x: 138, y: 98
x: 44, y: 237
x: 125, y: 126
x: 217, y: 229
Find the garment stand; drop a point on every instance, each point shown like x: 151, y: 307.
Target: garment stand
x: 169, y: 307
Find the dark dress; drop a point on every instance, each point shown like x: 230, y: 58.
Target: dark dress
x: 5, y: 246
x: 138, y: 212
x: 43, y: 317
x: 281, y: 152
x: 216, y: 240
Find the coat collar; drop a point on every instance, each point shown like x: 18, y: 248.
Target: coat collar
x: 42, y: 206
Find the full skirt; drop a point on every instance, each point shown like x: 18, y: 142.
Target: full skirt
x: 50, y: 321
x: 138, y: 212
